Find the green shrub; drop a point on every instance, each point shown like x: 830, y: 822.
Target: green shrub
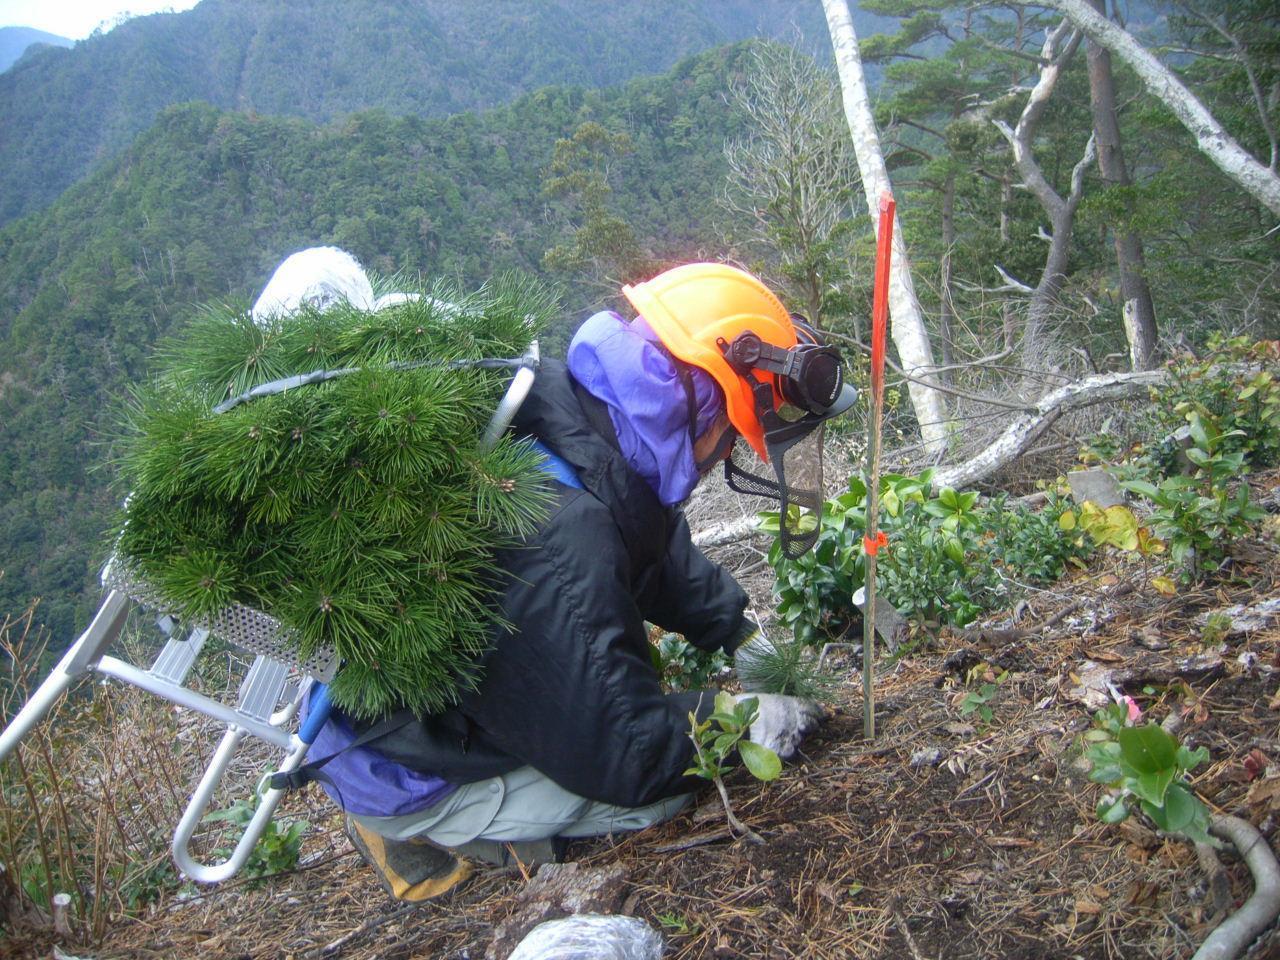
x: 949, y: 558
x: 717, y: 738
x: 277, y: 849
x: 1146, y: 764
x: 977, y: 703
x: 1236, y: 387
x: 1029, y: 544
x: 682, y: 666
x: 938, y: 574
x: 1202, y: 516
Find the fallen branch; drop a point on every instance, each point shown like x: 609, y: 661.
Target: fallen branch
x: 905, y: 931
x: 1235, y: 933
x: 1028, y: 427
x: 730, y: 532
x: 688, y: 843
x: 329, y: 949
x: 1000, y: 635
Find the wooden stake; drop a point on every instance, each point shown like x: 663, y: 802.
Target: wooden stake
x: 874, y: 539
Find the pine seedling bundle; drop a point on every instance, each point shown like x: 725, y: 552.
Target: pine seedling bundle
x: 361, y: 512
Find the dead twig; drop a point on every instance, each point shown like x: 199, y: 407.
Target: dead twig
x: 702, y: 839
x: 369, y: 925
x: 1001, y: 635
x: 901, y: 923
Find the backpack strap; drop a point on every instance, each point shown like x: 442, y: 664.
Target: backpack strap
x: 314, y: 771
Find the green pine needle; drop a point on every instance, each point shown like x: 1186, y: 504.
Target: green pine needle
x: 359, y: 511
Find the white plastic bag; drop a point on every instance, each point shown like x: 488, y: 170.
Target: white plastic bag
x: 317, y: 277
x: 591, y: 936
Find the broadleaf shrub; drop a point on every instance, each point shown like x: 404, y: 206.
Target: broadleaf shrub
x: 1235, y: 385
x: 1201, y: 516
x: 949, y: 557
x: 1146, y: 765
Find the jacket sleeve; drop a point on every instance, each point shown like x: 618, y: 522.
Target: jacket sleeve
x: 571, y: 689
x: 698, y: 598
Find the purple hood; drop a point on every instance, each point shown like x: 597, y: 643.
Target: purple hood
x: 625, y: 366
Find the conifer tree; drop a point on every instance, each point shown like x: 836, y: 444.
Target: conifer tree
x: 360, y: 511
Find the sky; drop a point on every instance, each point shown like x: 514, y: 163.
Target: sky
x: 76, y: 19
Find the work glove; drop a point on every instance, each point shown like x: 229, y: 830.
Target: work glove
x: 782, y: 722
x: 748, y: 659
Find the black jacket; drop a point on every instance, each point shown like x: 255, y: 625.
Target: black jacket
x: 570, y: 689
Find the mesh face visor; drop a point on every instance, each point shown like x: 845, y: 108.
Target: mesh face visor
x: 809, y: 378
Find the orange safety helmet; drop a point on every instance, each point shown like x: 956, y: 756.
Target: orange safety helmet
x: 699, y: 306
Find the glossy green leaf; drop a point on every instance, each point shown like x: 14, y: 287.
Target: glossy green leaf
x: 761, y: 761
x: 1112, y: 810
x: 725, y: 702
x: 1151, y: 787
x: 1142, y: 488
x: 1179, y: 809
x: 1148, y: 749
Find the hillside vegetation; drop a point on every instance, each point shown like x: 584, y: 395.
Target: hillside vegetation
x: 67, y: 110
x: 15, y: 41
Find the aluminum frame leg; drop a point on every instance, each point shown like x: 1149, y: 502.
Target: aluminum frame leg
x: 81, y: 658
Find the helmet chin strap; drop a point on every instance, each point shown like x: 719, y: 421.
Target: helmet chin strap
x: 724, y: 446
x: 727, y: 439
x: 779, y: 437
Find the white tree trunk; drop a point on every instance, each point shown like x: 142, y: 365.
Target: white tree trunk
x: 909, y: 333
x: 1218, y: 145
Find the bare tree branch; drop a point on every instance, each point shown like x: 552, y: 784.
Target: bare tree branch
x: 1061, y: 212
x: 1262, y: 183
x: 1242, y: 58
x: 1027, y: 428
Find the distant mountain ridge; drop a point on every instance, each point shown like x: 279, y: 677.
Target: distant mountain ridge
x: 62, y: 112
x: 14, y: 42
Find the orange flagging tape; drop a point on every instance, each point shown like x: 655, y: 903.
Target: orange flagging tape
x: 873, y: 546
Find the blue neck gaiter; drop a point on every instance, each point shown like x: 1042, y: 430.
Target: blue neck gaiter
x: 625, y: 366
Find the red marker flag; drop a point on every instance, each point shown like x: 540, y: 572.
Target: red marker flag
x: 875, y: 539
x: 880, y: 300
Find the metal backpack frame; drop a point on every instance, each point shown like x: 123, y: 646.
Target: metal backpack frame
x: 270, y: 694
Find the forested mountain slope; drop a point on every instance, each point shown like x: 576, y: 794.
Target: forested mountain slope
x: 208, y: 202
x: 64, y: 110
x: 14, y: 42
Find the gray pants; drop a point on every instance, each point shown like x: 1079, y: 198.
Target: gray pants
x: 521, y: 805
